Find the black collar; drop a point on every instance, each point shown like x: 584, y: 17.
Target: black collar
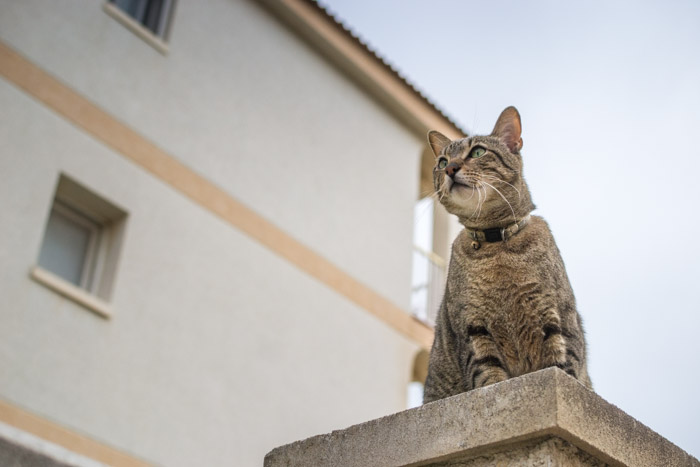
x: 496, y: 234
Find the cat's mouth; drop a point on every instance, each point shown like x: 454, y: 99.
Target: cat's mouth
x: 463, y: 192
x: 459, y: 186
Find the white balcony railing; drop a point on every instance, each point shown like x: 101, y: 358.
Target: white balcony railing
x: 429, y: 274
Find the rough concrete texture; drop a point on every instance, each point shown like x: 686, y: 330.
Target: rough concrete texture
x: 546, y: 413
x: 545, y: 453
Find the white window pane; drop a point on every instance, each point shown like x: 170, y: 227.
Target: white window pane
x: 415, y: 394
x: 65, y: 247
x: 423, y: 224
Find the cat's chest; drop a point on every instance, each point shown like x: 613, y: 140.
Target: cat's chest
x: 488, y: 286
x: 488, y: 290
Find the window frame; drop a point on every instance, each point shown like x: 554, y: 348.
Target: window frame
x: 106, y: 223
x: 70, y: 291
x: 155, y: 40
x: 90, y: 267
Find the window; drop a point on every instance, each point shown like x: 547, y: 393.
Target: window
x: 69, y: 247
x: 414, y: 392
x: 148, y: 19
x: 80, y: 247
x: 429, y: 269
x: 154, y: 15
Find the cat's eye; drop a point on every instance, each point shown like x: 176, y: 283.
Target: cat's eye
x: 477, y: 152
x: 442, y: 163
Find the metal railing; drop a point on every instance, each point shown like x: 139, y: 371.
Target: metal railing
x: 429, y: 274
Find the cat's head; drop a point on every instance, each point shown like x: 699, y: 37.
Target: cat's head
x: 480, y: 178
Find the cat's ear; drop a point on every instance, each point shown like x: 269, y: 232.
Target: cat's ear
x: 437, y: 142
x: 508, y: 129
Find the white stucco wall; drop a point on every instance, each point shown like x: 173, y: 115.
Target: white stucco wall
x: 249, y: 105
x: 218, y: 350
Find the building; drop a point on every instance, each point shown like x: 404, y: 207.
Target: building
x: 206, y: 240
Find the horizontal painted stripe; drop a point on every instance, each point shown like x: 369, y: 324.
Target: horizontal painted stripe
x: 62, y: 436
x: 124, y: 140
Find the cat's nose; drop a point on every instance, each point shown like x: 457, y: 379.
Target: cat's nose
x: 452, y: 168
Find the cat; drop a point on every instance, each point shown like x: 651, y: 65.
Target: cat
x: 508, y: 307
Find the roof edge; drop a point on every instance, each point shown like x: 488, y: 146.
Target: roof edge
x: 343, y: 49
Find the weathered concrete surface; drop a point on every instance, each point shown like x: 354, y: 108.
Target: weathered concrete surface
x: 544, y: 453
x: 543, y: 418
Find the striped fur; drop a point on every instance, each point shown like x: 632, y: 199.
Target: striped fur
x: 508, y: 307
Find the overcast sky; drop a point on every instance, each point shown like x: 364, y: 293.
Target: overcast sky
x: 609, y: 94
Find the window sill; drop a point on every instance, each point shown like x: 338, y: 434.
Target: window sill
x: 70, y: 291
x: 135, y: 27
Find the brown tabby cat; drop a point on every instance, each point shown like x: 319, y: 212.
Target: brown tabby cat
x: 508, y: 307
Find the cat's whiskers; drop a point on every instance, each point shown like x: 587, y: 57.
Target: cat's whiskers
x: 469, y: 186
x: 502, y: 181
x: 443, y: 191
x: 504, y: 199
x: 472, y: 195
x: 426, y: 193
x: 479, y: 187
x: 483, y: 200
x: 420, y: 215
x: 478, y: 203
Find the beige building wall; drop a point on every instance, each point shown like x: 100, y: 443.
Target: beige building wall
x: 244, y: 101
x: 218, y: 349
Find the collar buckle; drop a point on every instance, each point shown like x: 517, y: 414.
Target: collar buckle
x: 494, y: 235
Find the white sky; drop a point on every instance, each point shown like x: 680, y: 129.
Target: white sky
x: 609, y: 94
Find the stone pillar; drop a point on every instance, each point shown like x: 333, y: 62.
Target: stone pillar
x: 544, y: 418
